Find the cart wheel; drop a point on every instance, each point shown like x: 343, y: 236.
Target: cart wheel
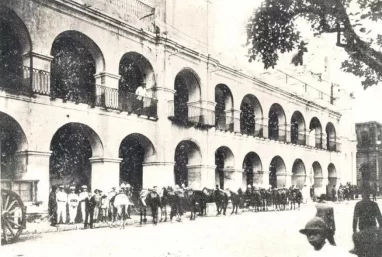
x: 12, y: 215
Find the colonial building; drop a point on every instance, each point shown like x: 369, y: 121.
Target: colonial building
x: 369, y: 155
x: 70, y: 113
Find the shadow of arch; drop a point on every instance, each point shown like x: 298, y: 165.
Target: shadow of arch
x: 277, y: 170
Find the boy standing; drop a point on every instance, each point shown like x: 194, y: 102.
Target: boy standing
x: 316, y: 231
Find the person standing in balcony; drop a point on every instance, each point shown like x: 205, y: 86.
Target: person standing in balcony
x: 141, y: 95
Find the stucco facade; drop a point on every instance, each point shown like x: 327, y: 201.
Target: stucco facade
x: 319, y: 152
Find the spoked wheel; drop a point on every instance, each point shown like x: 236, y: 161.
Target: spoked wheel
x: 12, y: 216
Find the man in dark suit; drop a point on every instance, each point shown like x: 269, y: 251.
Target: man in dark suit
x: 366, y: 214
x: 325, y: 211
x: 90, y: 204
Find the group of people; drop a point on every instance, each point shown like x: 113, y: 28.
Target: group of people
x: 66, y: 206
x: 280, y: 198
x: 367, y: 236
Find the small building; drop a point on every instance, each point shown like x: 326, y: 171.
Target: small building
x: 369, y: 154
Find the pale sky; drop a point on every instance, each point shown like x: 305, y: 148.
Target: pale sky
x: 230, y: 37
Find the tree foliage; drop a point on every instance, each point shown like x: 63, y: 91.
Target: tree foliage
x: 73, y: 70
x: 273, y: 30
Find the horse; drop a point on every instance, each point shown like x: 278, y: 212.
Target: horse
x: 236, y: 198
x: 118, y: 207
x: 264, y: 199
x: 257, y: 202
x: 219, y: 197
x: 282, y: 199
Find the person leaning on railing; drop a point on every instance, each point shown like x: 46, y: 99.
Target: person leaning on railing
x: 141, y: 94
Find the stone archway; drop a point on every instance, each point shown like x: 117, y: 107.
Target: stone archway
x: 224, y: 160
x: 331, y: 143
x: 187, y: 168
x: 73, y: 145
x: 298, y: 174
x: 135, y: 150
x: 136, y: 71
x: 14, y: 44
x: 277, y: 172
x: 276, y: 123
x: 319, y: 180
x: 298, y: 129
x: 76, y: 59
x: 224, y: 108
x: 253, y: 167
x: 332, y: 177
x: 315, y: 134
x: 187, y: 98
x: 251, y: 116
x: 12, y: 142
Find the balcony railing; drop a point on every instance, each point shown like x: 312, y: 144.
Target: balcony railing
x: 298, y: 139
x: 225, y: 122
x: 333, y: 146
x: 278, y: 135
x: 318, y: 142
x: 106, y: 97
x: 135, y: 7
x: 192, y: 115
x: 40, y: 80
x: 140, y: 105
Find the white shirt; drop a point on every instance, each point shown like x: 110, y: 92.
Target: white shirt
x: 141, y: 92
x: 83, y: 195
x: 329, y: 250
x: 61, y: 197
x: 73, y: 199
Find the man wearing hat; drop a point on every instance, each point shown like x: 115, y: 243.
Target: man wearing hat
x: 316, y: 231
x: 73, y: 204
x: 366, y: 214
x: 326, y: 213
x: 62, y: 199
x: 153, y: 200
x: 82, y: 198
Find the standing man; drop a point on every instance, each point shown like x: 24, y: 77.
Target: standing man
x: 73, y: 204
x: 366, y: 214
x: 97, y: 201
x: 89, y: 210
x: 325, y: 211
x: 82, y: 200
x: 153, y: 200
x: 62, y: 199
x: 52, y: 206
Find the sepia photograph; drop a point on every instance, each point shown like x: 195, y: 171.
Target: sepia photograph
x: 191, y: 128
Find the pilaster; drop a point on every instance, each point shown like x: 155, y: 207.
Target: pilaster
x: 158, y: 174
x: 233, y: 178
x: 236, y: 119
x: 105, y: 173
x: 34, y: 165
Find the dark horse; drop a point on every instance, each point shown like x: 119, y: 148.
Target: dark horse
x: 236, y: 199
x: 220, y: 198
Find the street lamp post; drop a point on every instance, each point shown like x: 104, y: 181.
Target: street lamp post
x: 377, y: 163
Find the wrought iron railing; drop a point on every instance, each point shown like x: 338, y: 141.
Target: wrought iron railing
x: 140, y: 105
x: 298, y: 138
x: 106, y: 97
x: 192, y: 114
x: 224, y: 122
x: 318, y: 143
x: 136, y: 7
x: 332, y: 145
